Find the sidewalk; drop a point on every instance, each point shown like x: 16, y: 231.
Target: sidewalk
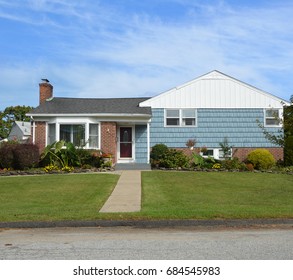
x: 126, y: 196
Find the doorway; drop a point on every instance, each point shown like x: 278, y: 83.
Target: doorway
x: 126, y: 142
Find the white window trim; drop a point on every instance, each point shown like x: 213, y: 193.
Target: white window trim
x: 180, y: 117
x: 280, y: 116
x: 75, y: 122
x: 87, y: 135
x: 217, y: 152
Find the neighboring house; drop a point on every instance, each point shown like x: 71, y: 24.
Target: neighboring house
x: 20, y: 131
x: 209, y: 109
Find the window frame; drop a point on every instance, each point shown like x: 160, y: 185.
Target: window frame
x: 181, y: 118
x: 94, y: 135
x: 85, y: 123
x: 83, y: 142
x: 272, y: 117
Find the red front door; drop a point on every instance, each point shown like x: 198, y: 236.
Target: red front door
x: 125, y: 142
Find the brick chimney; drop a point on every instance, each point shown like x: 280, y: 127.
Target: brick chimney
x: 46, y: 91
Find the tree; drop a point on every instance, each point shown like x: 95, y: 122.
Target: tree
x: 226, y: 148
x: 285, y: 134
x: 10, y: 115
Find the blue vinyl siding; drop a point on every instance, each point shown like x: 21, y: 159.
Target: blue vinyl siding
x: 213, y: 125
x: 141, y: 144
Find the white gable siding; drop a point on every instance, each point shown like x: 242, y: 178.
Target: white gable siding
x: 214, y: 90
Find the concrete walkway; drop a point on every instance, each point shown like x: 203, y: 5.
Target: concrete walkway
x: 126, y: 196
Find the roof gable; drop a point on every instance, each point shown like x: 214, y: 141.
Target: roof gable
x: 24, y: 127
x: 214, y: 90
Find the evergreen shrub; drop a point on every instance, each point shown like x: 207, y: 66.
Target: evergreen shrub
x: 261, y: 159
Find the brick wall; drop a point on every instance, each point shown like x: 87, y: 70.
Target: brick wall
x: 46, y: 91
x: 242, y: 153
x: 108, y: 138
x: 40, y: 135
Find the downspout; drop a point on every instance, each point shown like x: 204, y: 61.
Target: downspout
x: 148, y: 143
x: 34, y: 130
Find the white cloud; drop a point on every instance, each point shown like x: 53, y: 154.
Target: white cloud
x: 99, y: 49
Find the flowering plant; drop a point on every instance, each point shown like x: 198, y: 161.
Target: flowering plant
x: 106, y: 155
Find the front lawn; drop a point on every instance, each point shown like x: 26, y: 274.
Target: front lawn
x: 210, y: 195
x: 54, y: 197
x: 165, y: 195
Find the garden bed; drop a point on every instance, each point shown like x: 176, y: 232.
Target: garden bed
x: 41, y: 171
x: 285, y: 170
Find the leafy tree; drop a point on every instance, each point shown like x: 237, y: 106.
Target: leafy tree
x: 284, y: 136
x: 10, y: 115
x: 286, y: 130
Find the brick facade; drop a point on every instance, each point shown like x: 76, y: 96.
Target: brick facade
x: 242, y: 153
x: 46, y: 92
x: 40, y: 135
x: 109, y: 138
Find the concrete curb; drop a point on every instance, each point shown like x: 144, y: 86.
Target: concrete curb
x: 154, y: 223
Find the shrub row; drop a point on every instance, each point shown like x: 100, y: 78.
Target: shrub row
x: 162, y: 156
x: 18, y: 156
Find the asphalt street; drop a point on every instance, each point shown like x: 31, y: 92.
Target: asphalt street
x: 124, y: 243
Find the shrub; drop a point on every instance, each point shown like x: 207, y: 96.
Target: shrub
x: 162, y: 156
x: 157, y: 153
x: 18, y: 156
x: 88, y: 158
x: 249, y: 166
x: 6, y: 155
x: 198, y: 160
x: 261, y: 159
x: 26, y: 156
x: 233, y: 163
x: 173, y: 159
x: 208, y: 162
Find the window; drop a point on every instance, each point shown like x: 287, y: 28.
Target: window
x: 94, y: 135
x: 208, y: 153
x: 180, y: 117
x: 188, y: 117
x: 222, y: 155
x: 172, y: 117
x: 51, y: 133
x: 272, y: 117
x: 74, y: 133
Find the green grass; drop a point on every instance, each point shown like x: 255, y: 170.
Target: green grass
x: 165, y: 195
x: 202, y: 195
x: 54, y: 197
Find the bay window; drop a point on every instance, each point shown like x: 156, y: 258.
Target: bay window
x: 94, y: 135
x: 74, y: 133
x: 51, y: 133
x: 81, y: 135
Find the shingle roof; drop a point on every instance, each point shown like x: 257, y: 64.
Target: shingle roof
x: 59, y: 105
x: 25, y: 127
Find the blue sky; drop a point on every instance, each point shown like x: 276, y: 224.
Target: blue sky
x: 130, y: 48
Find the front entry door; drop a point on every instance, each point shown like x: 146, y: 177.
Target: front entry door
x: 125, y: 142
